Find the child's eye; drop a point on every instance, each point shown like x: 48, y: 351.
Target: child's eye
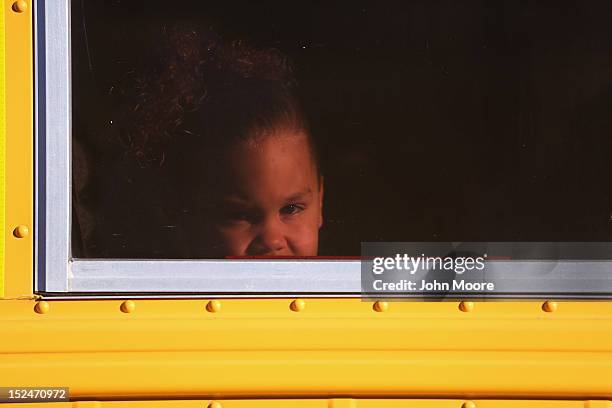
x: 291, y: 209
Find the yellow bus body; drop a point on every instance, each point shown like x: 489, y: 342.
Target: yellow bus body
x: 250, y: 353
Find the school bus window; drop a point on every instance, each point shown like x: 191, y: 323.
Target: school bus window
x: 197, y: 140
x: 201, y: 134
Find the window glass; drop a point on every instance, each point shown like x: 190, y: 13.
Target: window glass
x: 237, y: 128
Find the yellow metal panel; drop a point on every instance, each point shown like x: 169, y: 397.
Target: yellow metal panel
x: 18, y: 193
x: 2, y: 150
x: 261, y: 348
x: 322, y: 403
x: 334, y: 347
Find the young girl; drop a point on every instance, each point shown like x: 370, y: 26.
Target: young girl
x: 222, y: 122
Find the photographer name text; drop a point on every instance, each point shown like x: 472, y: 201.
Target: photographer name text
x: 432, y: 286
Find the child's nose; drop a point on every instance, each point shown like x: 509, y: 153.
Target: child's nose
x: 270, y: 240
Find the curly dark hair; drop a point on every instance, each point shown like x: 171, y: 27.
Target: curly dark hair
x: 209, y: 90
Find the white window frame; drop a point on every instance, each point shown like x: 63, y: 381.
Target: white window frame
x: 57, y: 273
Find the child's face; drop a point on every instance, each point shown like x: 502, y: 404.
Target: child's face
x: 272, y: 200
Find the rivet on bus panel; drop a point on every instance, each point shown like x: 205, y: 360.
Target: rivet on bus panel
x: 215, y: 404
x: 128, y: 306
x: 468, y: 404
x: 20, y: 6
x: 549, y: 306
x: 298, y: 305
x: 466, y: 306
x: 41, y: 307
x: 21, y: 231
x: 381, y: 306
x: 213, y: 306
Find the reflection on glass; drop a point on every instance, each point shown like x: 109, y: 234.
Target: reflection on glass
x: 213, y: 129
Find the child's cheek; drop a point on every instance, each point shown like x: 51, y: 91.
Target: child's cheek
x: 303, y: 238
x: 235, y: 240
